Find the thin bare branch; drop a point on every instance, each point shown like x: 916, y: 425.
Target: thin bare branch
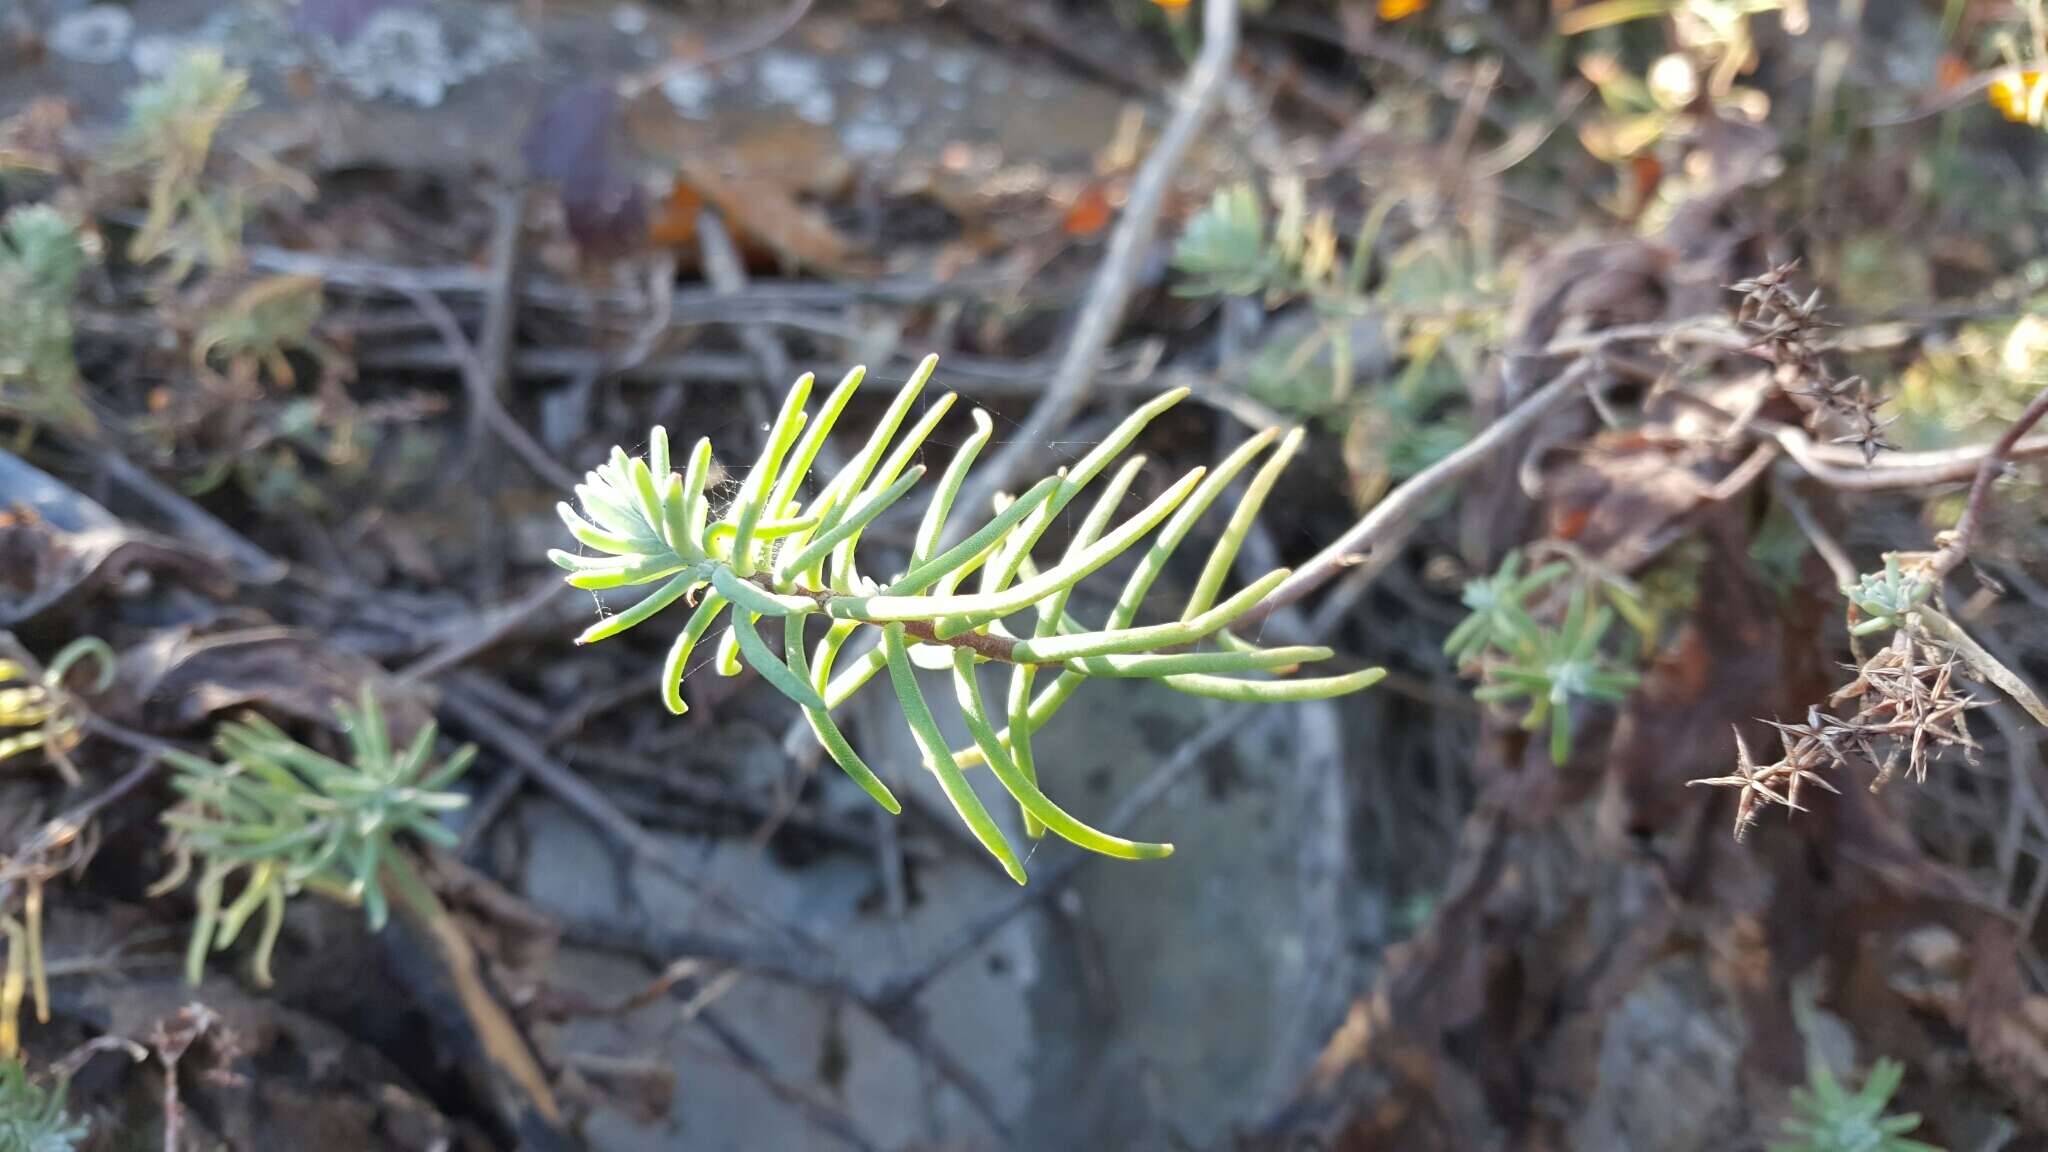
x: 1408, y: 500
x: 1955, y: 546
x: 593, y: 805
x: 1103, y: 310
x: 1838, y: 562
x: 483, y: 392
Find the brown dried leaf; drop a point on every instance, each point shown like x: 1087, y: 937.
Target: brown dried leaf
x: 1623, y: 499
x: 57, y: 547
x: 764, y: 210
x: 754, y: 183
x: 180, y: 679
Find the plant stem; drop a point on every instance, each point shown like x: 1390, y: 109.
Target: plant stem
x: 1107, y: 296
x: 503, y: 1045
x: 1957, y: 545
x: 1409, y: 499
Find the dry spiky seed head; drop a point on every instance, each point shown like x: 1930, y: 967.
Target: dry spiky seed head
x: 1784, y: 327
x: 1753, y: 787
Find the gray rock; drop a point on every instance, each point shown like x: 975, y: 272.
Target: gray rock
x: 1170, y: 997
x: 1667, y: 1067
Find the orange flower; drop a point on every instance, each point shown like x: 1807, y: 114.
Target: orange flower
x: 1392, y: 10
x: 1171, y: 5
x: 2015, y: 92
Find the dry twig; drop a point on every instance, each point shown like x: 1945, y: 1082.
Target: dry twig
x: 1411, y: 497
x: 1103, y: 310
x: 1955, y: 544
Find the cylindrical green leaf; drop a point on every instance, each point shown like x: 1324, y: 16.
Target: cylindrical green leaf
x: 829, y: 736
x: 657, y: 453
x: 1177, y: 528
x: 649, y: 605
x: 640, y: 570
x: 728, y: 663
x: 885, y: 608
x: 366, y: 730
x: 1198, y: 662
x: 843, y: 559
x: 853, y: 478
x: 925, y: 729
x: 806, y: 451
x: 854, y: 677
x: 821, y: 545
x: 1275, y: 691
x: 1073, y: 480
x: 1051, y: 611
x: 920, y: 576
x: 1017, y: 738
x: 764, y: 660
x: 1026, y: 792
x: 934, y: 523
x: 646, y: 490
x: 677, y: 664
x: 753, y: 498
x: 754, y: 598
x: 685, y: 513
x: 724, y: 533
x: 591, y: 535
x: 826, y: 654
x: 1053, y: 649
x: 1221, y: 557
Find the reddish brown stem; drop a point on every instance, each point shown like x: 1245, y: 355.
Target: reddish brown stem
x: 1957, y: 546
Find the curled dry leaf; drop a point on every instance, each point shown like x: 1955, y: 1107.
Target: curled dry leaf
x: 58, y: 548
x: 181, y: 678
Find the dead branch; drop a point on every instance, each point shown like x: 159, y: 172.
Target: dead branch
x: 483, y: 393
x: 1408, y: 500
x: 462, y: 643
x: 824, y: 1114
x: 1103, y: 310
x: 1956, y: 545
x: 1838, y: 562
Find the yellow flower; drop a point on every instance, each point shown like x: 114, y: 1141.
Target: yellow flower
x: 1171, y: 5
x: 2016, y: 93
x: 1392, y: 10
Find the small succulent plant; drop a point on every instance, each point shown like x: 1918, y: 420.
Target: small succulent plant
x: 1224, y: 251
x: 173, y: 122
x: 32, y: 1115
x: 42, y: 257
x: 1835, y: 1120
x: 1544, y: 665
x: 775, y: 553
x: 1556, y: 667
x: 262, y: 325
x: 283, y: 818
x: 1500, y: 620
x: 1884, y: 599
